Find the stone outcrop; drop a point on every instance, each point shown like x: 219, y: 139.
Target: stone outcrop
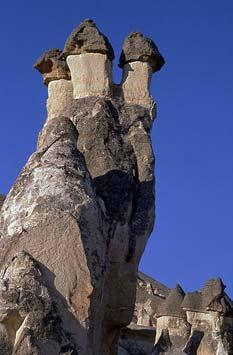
x: 174, y: 323
x: 53, y: 213
x: 82, y: 209
x: 2, y: 198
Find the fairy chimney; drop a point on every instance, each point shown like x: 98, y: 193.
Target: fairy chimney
x: 82, y: 209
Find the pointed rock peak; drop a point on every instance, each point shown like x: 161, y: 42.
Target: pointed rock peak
x: 172, y: 304
x: 213, y: 287
x: 211, y: 298
x: 176, y: 295
x: 87, y: 22
x: 139, y: 48
x: 87, y: 38
x: 178, y: 290
x: 52, y: 66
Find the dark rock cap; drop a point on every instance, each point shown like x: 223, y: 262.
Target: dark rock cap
x: 139, y: 48
x: 87, y: 38
x: 52, y: 65
x: 172, y: 305
x: 211, y: 298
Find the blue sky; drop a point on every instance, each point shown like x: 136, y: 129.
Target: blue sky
x: 192, y: 136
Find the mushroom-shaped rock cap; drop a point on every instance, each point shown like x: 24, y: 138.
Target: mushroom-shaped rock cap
x: 87, y: 38
x: 172, y: 305
x: 139, y: 48
x: 52, y: 66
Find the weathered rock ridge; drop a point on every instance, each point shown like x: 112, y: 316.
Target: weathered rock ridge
x: 75, y: 224
x: 170, y: 321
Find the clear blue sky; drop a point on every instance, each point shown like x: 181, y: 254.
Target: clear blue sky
x: 192, y: 137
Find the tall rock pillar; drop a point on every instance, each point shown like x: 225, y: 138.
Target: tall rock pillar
x: 81, y: 211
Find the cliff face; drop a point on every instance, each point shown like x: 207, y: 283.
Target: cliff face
x: 75, y: 224
x: 172, y: 322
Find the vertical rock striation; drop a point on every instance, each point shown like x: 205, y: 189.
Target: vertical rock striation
x: 81, y: 211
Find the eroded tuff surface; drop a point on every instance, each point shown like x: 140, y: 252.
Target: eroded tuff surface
x: 53, y: 213
x: 81, y: 211
x: 168, y: 321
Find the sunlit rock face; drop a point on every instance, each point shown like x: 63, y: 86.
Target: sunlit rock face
x: 82, y: 209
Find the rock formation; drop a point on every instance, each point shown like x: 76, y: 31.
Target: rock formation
x: 168, y: 321
x: 75, y: 224
x: 2, y: 198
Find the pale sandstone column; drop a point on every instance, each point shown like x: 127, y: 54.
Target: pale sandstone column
x: 60, y: 98
x: 140, y: 58
x: 136, y: 83
x: 91, y: 74
x: 89, y: 56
